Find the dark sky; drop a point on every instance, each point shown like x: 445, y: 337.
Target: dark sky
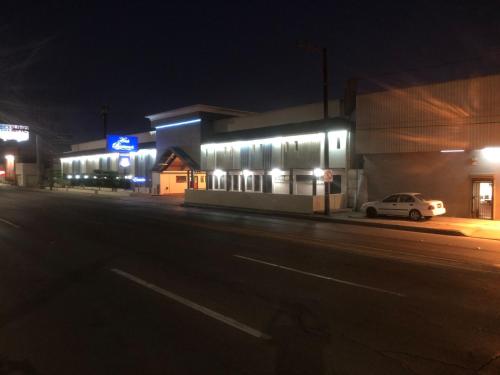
x: 60, y: 61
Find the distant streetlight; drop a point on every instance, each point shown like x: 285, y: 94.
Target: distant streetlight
x: 326, y: 156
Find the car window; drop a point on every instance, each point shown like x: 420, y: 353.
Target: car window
x: 420, y: 196
x: 404, y: 198
x: 391, y: 198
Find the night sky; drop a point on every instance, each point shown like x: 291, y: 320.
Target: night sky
x: 60, y: 61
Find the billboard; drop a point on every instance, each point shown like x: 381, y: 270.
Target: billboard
x: 18, y: 133
x: 122, y: 143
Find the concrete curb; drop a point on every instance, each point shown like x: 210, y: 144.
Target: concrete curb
x: 333, y: 219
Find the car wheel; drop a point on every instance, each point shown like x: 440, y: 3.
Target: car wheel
x: 415, y: 215
x: 371, y: 212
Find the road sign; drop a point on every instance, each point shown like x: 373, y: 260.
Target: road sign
x: 328, y: 175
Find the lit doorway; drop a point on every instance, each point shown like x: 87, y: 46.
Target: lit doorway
x: 482, y: 199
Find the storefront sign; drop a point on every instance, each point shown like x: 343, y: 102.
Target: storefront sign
x: 122, y: 144
x: 18, y: 133
x: 328, y: 175
x: 124, y: 161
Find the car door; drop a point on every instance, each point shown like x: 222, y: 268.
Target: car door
x: 388, y: 206
x: 406, y: 204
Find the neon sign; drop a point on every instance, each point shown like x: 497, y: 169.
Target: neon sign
x: 123, y: 144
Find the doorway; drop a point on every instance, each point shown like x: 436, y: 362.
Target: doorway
x: 482, y: 199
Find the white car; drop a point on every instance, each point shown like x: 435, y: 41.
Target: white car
x: 412, y: 205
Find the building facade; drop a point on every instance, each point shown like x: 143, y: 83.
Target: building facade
x: 276, y: 160
x: 442, y: 140
x: 90, y: 161
x: 179, y: 135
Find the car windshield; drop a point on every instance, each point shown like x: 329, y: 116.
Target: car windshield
x: 420, y: 197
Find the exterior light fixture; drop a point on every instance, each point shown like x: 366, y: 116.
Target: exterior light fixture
x: 491, y: 153
x: 276, y: 172
x: 246, y: 172
x: 86, y: 176
x: 318, y: 172
x: 69, y: 177
x: 10, y: 158
x: 449, y: 151
x: 77, y: 176
x: 124, y: 162
x: 187, y: 122
x: 218, y: 172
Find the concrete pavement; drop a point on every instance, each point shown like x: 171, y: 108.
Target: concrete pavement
x: 328, y: 298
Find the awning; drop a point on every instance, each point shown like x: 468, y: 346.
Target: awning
x: 175, y: 159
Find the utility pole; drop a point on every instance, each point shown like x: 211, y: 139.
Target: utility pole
x: 325, y: 116
x: 326, y: 155
x: 104, y: 115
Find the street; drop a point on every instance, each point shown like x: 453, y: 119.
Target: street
x: 141, y: 285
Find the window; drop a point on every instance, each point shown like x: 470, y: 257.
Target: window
x: 338, y: 143
x: 406, y: 199
x: 268, y: 183
x: 216, y: 182
x: 303, y: 178
x: 210, y: 182
x: 202, y: 179
x: 336, y: 184
x: 235, y: 183
x: 391, y: 199
x: 249, y: 183
x: 180, y: 179
x: 222, y: 184
x: 256, y: 183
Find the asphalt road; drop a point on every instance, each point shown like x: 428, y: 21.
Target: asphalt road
x: 100, y: 285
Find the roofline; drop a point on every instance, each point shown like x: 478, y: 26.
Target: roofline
x: 197, y: 108
x: 297, y: 128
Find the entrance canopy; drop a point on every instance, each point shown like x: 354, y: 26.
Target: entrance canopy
x: 175, y: 159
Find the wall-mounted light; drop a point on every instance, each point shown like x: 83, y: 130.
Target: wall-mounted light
x: 246, y: 172
x: 77, y: 176
x: 86, y: 177
x: 318, y: 172
x: 218, y: 172
x: 69, y: 177
x: 10, y: 158
x: 276, y: 172
x: 491, y: 153
x: 449, y: 151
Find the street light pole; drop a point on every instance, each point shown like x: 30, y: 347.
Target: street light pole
x: 326, y: 155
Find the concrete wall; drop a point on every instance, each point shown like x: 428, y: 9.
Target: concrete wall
x: 302, y: 204
x: 444, y: 176
x: 461, y: 114
x: 27, y: 174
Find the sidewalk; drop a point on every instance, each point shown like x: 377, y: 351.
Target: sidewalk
x: 454, y: 226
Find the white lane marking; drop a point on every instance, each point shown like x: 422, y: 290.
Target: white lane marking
x: 321, y: 276
x: 9, y: 223
x: 204, y: 310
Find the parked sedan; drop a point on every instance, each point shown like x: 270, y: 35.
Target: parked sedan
x: 412, y: 205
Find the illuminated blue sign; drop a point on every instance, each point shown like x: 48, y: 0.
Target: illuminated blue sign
x: 139, y: 179
x: 121, y: 143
